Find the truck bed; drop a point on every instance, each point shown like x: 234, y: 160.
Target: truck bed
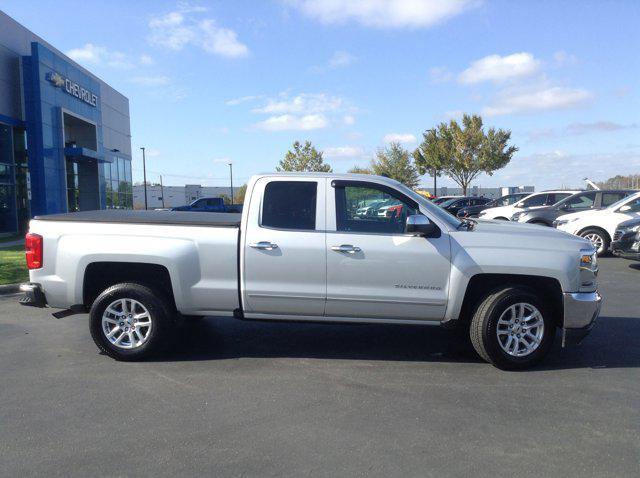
x: 179, y: 218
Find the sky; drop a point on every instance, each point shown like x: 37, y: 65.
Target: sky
x: 213, y: 82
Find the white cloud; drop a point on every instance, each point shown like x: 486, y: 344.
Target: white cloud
x: 343, y: 152
x: 562, y: 58
x: 405, y: 138
x: 150, y: 80
x: 304, y: 102
x: 440, y: 74
x: 597, y: 127
x: 304, y: 111
x: 175, y: 30
x: 383, y: 13
x: 95, y: 55
x: 498, y: 68
x: 341, y: 59
x: 243, y: 99
x: 518, y: 100
x: 293, y: 122
x: 146, y: 60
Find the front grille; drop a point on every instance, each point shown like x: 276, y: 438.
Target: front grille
x: 617, y: 235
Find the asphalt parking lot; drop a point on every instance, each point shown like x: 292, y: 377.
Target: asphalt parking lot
x: 258, y: 399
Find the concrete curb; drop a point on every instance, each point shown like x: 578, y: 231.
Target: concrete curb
x: 9, y: 289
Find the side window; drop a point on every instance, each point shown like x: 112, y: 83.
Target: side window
x: 538, y: 200
x: 583, y: 201
x: 609, y: 198
x: 555, y: 197
x: 368, y: 209
x: 290, y: 205
x: 635, y: 205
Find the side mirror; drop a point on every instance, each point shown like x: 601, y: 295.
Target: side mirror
x: 565, y: 207
x: 518, y: 204
x: 419, y: 225
x: 625, y: 208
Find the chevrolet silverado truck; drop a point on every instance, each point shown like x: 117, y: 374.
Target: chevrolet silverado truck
x: 302, y: 251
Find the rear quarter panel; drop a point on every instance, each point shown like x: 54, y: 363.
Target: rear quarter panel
x: 202, y: 261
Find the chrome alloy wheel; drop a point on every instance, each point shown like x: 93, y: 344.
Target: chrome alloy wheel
x: 596, y: 240
x: 520, y: 329
x: 126, y: 323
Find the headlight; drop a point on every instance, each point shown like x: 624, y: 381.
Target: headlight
x: 482, y: 213
x: 517, y: 216
x: 562, y: 222
x: 635, y: 228
x: 588, y: 269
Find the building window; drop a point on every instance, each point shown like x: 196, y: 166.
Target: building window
x: 8, y: 221
x: 118, y: 184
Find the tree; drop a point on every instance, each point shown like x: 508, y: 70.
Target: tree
x: 240, y: 192
x: 465, y: 151
x: 303, y: 158
x: 429, y: 157
x: 359, y: 170
x: 225, y: 198
x: 395, y: 162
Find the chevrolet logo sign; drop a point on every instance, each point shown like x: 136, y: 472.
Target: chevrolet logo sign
x: 56, y: 79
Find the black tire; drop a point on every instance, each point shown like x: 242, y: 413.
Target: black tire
x: 483, y: 329
x: 161, y: 314
x: 606, y: 240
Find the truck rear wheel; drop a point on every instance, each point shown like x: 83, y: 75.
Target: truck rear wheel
x: 130, y: 322
x: 512, y: 329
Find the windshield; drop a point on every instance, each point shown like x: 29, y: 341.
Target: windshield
x: 424, y: 203
x: 447, y: 203
x: 622, y: 201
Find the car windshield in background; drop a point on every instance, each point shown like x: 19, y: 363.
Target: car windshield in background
x: 448, y: 202
x: 622, y: 201
x: 437, y: 211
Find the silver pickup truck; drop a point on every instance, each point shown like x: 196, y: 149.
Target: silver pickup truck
x: 316, y: 247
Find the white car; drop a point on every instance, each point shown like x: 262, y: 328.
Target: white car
x: 599, y: 226
x: 535, y: 200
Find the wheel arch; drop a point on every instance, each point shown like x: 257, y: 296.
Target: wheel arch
x: 482, y: 284
x: 100, y: 275
x: 601, y: 229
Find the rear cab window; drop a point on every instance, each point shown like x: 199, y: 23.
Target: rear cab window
x: 290, y: 205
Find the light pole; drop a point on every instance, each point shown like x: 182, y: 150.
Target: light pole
x: 144, y: 177
x: 231, y: 178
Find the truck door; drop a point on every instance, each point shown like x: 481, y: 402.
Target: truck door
x: 283, y: 263
x: 376, y: 270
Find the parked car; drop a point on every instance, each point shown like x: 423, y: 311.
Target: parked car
x: 535, y: 200
x: 453, y: 206
x: 473, y: 211
x: 204, y: 205
x: 580, y: 201
x: 626, y: 240
x: 599, y: 226
x: 441, y: 199
x: 300, y: 252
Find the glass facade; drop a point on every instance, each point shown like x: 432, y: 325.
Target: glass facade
x: 8, y: 223
x: 119, y: 187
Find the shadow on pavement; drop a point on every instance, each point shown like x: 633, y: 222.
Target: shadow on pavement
x: 614, y: 343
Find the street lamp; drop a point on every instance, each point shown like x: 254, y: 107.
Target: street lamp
x: 231, y: 178
x: 144, y: 177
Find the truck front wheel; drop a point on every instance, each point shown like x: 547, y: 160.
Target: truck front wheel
x: 130, y: 322
x: 512, y: 328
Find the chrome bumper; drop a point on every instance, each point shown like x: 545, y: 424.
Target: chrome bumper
x: 581, y: 309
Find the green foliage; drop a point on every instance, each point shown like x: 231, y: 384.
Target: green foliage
x: 225, y: 198
x: 395, y: 162
x: 632, y: 181
x: 240, y: 192
x: 464, y: 152
x: 360, y: 170
x: 304, y: 158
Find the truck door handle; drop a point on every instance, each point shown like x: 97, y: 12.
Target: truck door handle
x: 348, y: 248
x: 264, y: 245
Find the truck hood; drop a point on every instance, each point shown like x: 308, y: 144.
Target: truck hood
x: 507, y: 235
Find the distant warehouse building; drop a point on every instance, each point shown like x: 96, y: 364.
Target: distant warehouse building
x: 65, y: 142
x: 484, y: 192
x: 172, y: 196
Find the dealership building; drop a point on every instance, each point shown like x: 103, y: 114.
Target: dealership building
x: 65, y: 142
